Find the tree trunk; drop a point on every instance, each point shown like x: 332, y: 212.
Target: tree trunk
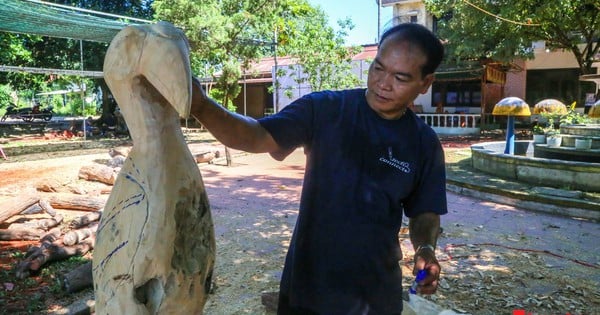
x: 49, y: 252
x: 75, y: 202
x: 84, y: 220
x: 20, y: 234
x: 78, y: 279
x: 228, y: 156
x: 16, y: 205
x: 98, y: 172
x: 76, y: 236
x: 39, y: 224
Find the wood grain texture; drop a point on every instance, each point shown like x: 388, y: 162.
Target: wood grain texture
x: 155, y: 247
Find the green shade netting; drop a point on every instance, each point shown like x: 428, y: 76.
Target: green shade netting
x: 27, y: 17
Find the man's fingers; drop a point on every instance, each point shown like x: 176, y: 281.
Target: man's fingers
x: 429, y: 288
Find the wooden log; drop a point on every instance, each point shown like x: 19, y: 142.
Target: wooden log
x: 85, y: 219
x: 119, y: 151
x: 75, y: 202
x: 41, y: 224
x: 50, y: 252
x: 205, y: 157
x: 45, y: 241
x: 26, y: 234
x: 82, y: 306
x: 75, y: 236
x: 16, y: 205
x: 33, y: 209
x: 45, y: 204
x: 98, y: 172
x: 78, y: 279
x: 48, y: 185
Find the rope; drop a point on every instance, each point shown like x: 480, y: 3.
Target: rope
x: 501, y: 18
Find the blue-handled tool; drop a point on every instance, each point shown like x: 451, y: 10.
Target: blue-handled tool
x: 421, y: 274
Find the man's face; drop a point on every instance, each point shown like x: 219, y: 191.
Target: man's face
x: 395, y: 78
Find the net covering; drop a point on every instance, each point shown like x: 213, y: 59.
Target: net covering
x: 27, y: 17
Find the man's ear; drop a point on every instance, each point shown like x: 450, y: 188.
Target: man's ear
x: 427, y: 81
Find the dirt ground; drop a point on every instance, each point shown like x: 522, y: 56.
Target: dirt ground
x: 254, y: 204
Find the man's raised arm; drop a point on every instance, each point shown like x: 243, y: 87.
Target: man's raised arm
x: 233, y: 130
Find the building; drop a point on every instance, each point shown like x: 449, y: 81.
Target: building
x: 476, y: 88
x: 469, y: 88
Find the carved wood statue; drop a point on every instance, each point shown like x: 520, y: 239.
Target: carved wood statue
x: 155, y: 246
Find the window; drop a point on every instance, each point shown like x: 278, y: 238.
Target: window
x: 457, y: 93
x: 561, y: 84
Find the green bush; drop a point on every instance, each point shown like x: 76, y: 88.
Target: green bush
x: 5, y: 98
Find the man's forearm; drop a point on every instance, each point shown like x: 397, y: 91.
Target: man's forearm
x: 231, y: 129
x: 424, y: 229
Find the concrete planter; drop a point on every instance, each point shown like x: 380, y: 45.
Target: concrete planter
x: 583, y: 144
x: 540, y: 139
x: 553, y: 141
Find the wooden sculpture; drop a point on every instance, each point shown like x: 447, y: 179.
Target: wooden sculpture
x: 155, y: 246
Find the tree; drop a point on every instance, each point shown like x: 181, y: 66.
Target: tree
x: 505, y: 29
x: 222, y: 36
x: 61, y: 53
x: 94, y: 52
x: 320, y: 52
x: 226, y: 36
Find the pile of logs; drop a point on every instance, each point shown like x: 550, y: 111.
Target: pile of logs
x: 58, y: 238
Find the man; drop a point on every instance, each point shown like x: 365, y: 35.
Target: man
x: 369, y: 160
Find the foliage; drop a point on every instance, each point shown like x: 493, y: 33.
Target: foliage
x: 5, y: 95
x: 59, y: 53
x: 539, y: 130
x: 227, y: 36
x: 511, y: 26
x: 224, y: 35
x: 322, y: 57
x: 574, y: 118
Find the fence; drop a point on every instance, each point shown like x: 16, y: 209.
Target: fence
x: 453, y: 124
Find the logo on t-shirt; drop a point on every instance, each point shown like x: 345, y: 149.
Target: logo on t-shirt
x: 393, y: 162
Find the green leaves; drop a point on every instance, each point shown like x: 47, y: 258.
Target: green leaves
x: 227, y: 36
x: 504, y: 29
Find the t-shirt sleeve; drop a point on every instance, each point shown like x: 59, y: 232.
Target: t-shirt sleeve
x: 291, y: 127
x: 429, y: 194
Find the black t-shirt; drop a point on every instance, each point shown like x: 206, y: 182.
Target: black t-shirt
x: 362, y: 172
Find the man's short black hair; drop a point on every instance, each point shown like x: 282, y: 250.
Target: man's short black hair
x: 423, y: 38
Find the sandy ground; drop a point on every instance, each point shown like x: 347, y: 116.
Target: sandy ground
x: 495, y: 258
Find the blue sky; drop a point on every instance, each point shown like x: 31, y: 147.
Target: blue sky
x: 363, y: 14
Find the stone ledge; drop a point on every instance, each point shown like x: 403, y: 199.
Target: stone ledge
x: 488, y: 157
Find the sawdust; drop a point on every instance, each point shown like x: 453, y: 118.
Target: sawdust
x: 254, y: 205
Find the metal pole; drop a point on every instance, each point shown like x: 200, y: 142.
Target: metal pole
x: 275, y: 89
x: 81, y: 91
x: 378, y: 20
x: 245, y: 95
x: 510, y: 136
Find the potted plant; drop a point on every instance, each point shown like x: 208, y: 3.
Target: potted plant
x: 574, y: 118
x: 584, y: 143
x: 539, y: 134
x: 553, y: 139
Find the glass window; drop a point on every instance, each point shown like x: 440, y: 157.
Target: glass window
x: 457, y: 93
x: 561, y: 84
